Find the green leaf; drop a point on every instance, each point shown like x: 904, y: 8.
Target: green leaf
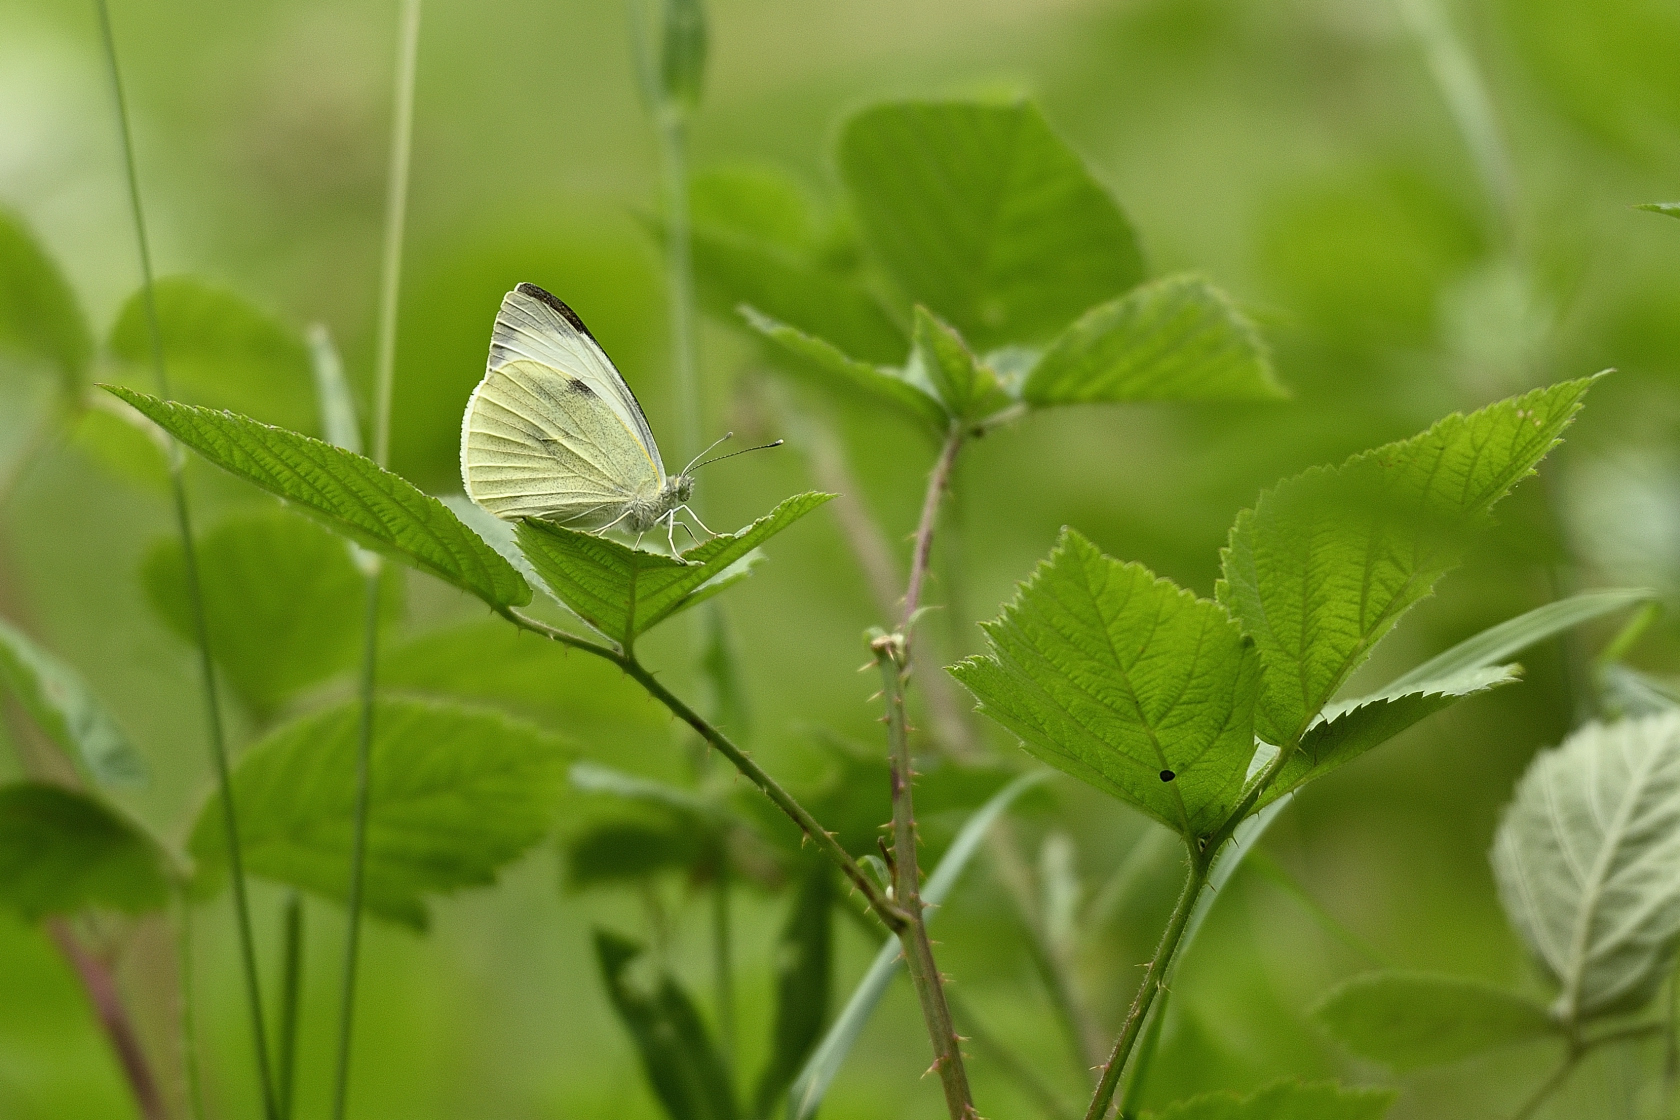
x: 221, y: 351
x: 684, y: 1070
x: 1177, y: 339
x: 1125, y: 681
x: 1347, y: 729
x: 334, y: 401
x: 1512, y: 636
x: 804, y: 963
x: 986, y: 216
x: 623, y: 591
x: 826, y: 363
x: 1409, y: 1020
x: 350, y: 493
x: 1672, y: 209
x: 40, y: 321
x: 456, y: 793
x: 67, y: 712
x: 1587, y: 858
x: 814, y: 1079
x: 757, y: 240
x: 939, y: 357
x: 1327, y: 562
x: 1286, y: 1100
x: 62, y: 851
x: 283, y: 601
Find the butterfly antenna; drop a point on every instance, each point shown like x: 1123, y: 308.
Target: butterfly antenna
x: 732, y: 454
x: 727, y: 436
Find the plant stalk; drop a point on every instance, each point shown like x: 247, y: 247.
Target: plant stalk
x: 1152, y: 978
x: 358, y: 842
x: 189, y: 553
x: 101, y: 988
x: 679, y: 275
x: 938, y: 482
x: 396, y: 214
x: 891, y: 916
x: 892, y: 657
x: 291, y: 987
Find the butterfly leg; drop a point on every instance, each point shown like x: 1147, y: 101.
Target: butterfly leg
x: 697, y: 520
x: 671, y: 536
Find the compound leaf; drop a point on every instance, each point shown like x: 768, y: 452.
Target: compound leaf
x: 456, y: 793
x: 221, y: 351
x: 623, y: 591
x: 1176, y: 339
x: 350, y: 493
x: 283, y: 601
x: 986, y: 216
x: 1408, y: 1020
x: 1125, y: 681
x: 62, y: 851
x: 67, y: 712
x: 1587, y: 858
x: 1327, y: 562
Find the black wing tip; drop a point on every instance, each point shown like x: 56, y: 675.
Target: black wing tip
x: 555, y: 303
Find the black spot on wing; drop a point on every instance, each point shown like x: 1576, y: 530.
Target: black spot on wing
x: 576, y: 386
x: 564, y: 312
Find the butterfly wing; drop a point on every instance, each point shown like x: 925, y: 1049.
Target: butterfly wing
x: 553, y: 431
x: 535, y: 326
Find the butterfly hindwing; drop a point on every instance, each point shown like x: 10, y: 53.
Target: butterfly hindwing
x: 537, y: 442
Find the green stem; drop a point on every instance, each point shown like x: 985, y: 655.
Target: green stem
x: 396, y: 212
x: 673, y: 136
x: 358, y: 841
x: 291, y: 987
x: 1548, y: 1087
x: 195, y: 598
x: 1137, y: 1077
x: 892, y: 657
x: 889, y: 914
x: 1152, y: 978
x: 101, y: 988
x: 189, y: 1019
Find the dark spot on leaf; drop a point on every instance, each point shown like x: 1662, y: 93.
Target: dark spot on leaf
x: 1167, y: 775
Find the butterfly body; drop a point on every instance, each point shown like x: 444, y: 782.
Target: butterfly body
x: 553, y: 432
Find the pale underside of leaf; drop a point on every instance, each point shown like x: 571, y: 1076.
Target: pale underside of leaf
x: 1587, y: 859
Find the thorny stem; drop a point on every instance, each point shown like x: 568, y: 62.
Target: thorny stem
x: 101, y: 988
x: 891, y: 655
x: 891, y: 916
x: 937, y: 483
x: 1152, y: 980
x: 189, y: 554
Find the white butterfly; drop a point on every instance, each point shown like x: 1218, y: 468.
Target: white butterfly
x: 553, y: 432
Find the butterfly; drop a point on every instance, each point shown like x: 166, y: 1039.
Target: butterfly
x: 553, y: 432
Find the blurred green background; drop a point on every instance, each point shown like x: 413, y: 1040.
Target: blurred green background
x: 1298, y: 152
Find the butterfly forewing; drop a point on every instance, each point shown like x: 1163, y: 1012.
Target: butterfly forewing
x: 553, y: 431
x: 535, y: 326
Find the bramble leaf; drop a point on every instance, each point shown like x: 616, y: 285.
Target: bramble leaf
x: 60, y: 703
x: 1125, y: 681
x: 1347, y: 729
x: 824, y: 361
x: 1286, y: 1100
x: 350, y: 493
x: 40, y: 320
x: 1176, y: 339
x: 1327, y: 562
x: 221, y: 351
x: 456, y: 793
x: 283, y: 601
x: 940, y: 358
x: 1587, y: 858
x: 623, y: 591
x: 1409, y: 1020
x: 62, y: 851
x: 681, y: 1065
x: 986, y: 216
